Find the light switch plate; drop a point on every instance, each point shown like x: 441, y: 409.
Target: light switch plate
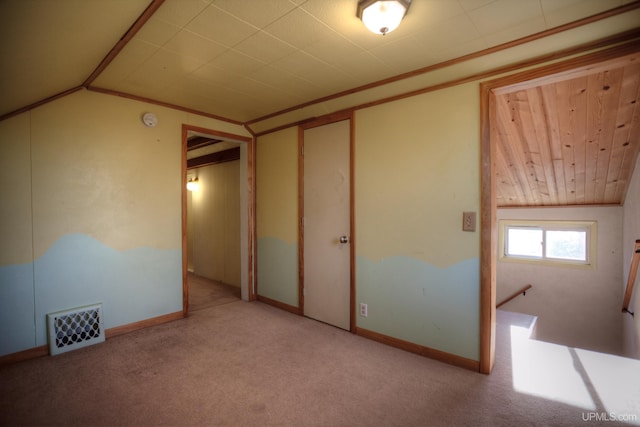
x: 468, y: 221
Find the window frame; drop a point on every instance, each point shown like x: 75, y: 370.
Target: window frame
x: 590, y: 227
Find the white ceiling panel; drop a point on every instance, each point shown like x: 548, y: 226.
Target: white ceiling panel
x: 215, y: 24
x: 366, y: 67
x: 446, y: 34
x: 181, y: 12
x: 189, y: 44
x: 157, y: 32
x: 136, y: 53
x: 264, y: 47
x: 515, y: 32
x: 237, y: 63
x: 287, y: 83
x: 559, y: 12
x: 212, y: 74
x: 332, y: 48
x: 512, y: 13
x: 299, y: 29
x: 256, y: 13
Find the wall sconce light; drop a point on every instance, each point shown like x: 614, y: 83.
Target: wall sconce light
x: 382, y: 17
x: 193, y: 185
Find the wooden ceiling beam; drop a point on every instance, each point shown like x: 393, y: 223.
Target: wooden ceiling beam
x: 201, y: 141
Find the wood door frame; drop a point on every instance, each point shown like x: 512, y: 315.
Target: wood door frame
x: 333, y: 118
x: 251, y: 144
x: 488, y: 204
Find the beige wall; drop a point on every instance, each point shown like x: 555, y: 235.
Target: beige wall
x: 631, y: 233
x: 277, y: 178
x: 90, y: 212
x: 277, y: 215
x: 97, y: 171
x: 15, y: 191
x: 417, y: 169
x: 214, y: 219
x: 575, y: 306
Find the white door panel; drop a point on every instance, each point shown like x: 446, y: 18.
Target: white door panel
x: 327, y: 261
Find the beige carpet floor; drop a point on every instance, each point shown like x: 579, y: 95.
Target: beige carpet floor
x: 250, y: 364
x: 206, y: 293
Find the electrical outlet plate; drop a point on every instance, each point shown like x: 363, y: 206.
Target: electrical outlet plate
x: 363, y: 309
x: 468, y: 221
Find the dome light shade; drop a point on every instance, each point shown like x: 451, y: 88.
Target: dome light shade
x: 382, y: 16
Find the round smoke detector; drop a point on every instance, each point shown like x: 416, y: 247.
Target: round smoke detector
x: 150, y: 120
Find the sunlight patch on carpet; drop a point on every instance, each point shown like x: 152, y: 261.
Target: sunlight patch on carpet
x: 600, y: 384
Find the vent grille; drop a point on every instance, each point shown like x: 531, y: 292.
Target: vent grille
x: 76, y: 328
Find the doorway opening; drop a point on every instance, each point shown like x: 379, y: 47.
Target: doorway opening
x: 540, y: 150
x: 217, y: 218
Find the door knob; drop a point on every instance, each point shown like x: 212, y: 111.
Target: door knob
x: 344, y: 239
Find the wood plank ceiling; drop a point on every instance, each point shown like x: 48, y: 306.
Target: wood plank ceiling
x: 570, y: 139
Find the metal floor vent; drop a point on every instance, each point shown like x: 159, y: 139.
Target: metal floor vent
x: 75, y: 328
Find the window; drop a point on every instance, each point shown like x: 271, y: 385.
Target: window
x: 568, y: 243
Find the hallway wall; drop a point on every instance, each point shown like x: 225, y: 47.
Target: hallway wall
x: 214, y: 219
x: 577, y: 307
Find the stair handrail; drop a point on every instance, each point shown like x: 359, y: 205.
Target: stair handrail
x: 633, y: 270
x: 522, y: 291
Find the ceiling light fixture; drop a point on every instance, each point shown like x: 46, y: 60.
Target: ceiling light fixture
x: 382, y: 17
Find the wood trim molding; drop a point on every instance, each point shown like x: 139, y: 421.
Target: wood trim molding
x: 184, y: 228
x: 220, y: 134
x: 131, y: 32
x: 488, y: 238
x: 252, y: 226
x: 325, y: 120
x: 161, y: 104
x: 616, y: 56
x: 431, y: 353
x: 352, y: 219
x: 248, y: 128
x: 39, y: 103
x: 280, y: 305
x: 43, y: 350
x: 223, y: 156
x: 286, y: 126
x: 196, y: 142
x: 21, y: 356
x: 300, y: 220
x: 631, y: 279
x: 147, y: 323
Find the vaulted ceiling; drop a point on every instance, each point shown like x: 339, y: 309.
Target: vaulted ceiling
x: 246, y: 61
x: 243, y: 59
x: 571, y: 139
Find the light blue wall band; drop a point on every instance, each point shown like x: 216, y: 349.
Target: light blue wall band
x: 78, y: 270
x: 17, y: 327
x: 417, y: 302
x: 278, y: 270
